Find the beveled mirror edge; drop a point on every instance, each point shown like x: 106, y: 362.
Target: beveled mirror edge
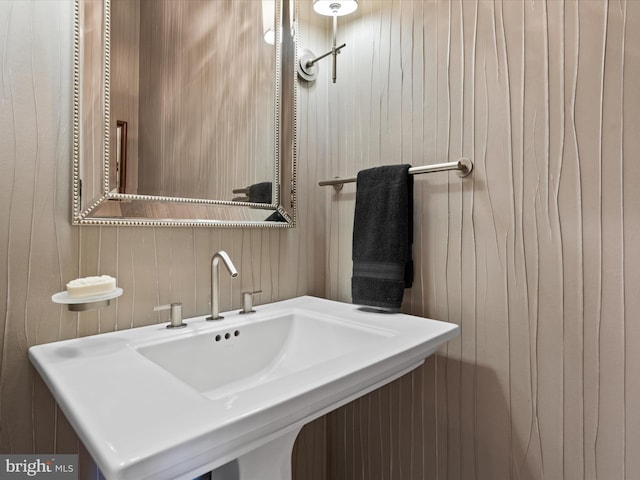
x: 76, y: 216
x: 83, y: 217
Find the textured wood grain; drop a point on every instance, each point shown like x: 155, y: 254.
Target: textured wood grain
x: 529, y: 255
x: 533, y: 255
x: 42, y: 251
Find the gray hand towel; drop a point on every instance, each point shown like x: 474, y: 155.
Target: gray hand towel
x: 382, y: 237
x: 260, y: 193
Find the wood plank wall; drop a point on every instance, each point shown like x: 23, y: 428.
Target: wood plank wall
x: 534, y: 255
x: 42, y: 251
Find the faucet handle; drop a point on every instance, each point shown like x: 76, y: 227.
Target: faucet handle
x: 175, y: 314
x: 247, y: 301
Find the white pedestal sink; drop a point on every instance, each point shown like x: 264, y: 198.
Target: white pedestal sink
x: 228, y: 396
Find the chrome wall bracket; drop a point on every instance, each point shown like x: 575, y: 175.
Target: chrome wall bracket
x: 307, y: 65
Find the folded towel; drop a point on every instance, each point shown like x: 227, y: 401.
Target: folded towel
x: 382, y: 237
x: 260, y: 192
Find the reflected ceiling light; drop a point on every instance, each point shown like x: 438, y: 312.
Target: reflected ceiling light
x: 268, y: 15
x: 307, y: 65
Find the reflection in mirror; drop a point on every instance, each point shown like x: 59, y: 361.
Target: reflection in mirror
x: 184, y: 112
x: 120, y: 169
x: 202, y: 95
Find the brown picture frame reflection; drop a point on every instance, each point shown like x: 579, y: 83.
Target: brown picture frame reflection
x: 121, y: 156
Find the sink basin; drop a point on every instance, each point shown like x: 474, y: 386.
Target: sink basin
x: 264, y: 350
x: 231, y: 395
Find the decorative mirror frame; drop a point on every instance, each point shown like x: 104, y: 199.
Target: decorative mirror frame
x: 284, y: 142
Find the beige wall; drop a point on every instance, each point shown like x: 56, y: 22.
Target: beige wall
x: 42, y: 251
x: 533, y: 255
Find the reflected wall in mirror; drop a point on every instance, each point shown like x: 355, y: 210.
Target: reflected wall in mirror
x: 184, y: 113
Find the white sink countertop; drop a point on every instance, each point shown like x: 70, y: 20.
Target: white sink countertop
x: 158, y: 403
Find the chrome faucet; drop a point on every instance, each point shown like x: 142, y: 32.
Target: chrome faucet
x: 215, y: 281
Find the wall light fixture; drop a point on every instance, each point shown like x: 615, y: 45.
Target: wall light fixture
x: 307, y: 65
x: 268, y: 14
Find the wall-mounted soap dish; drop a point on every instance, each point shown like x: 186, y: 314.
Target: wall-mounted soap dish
x: 82, y: 304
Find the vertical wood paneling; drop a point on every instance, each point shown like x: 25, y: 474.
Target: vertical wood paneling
x: 533, y: 255
x: 530, y: 255
x: 35, y: 133
x: 309, y: 453
x: 571, y: 220
x: 42, y: 251
x: 631, y: 219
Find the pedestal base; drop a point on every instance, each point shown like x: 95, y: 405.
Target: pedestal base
x: 271, y: 461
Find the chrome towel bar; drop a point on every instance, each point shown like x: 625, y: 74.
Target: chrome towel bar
x: 464, y: 166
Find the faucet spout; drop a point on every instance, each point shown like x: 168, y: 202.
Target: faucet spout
x: 215, y: 281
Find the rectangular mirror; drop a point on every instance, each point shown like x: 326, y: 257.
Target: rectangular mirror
x: 184, y: 113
